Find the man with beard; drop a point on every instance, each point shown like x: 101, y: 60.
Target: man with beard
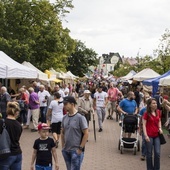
x: 128, y: 106
x: 74, y: 135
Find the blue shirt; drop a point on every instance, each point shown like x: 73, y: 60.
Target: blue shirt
x: 142, y: 111
x: 128, y: 106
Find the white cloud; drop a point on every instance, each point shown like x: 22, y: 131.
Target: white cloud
x: 121, y: 26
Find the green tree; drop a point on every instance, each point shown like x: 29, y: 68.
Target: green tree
x: 81, y: 59
x: 32, y: 31
x: 143, y: 62
x: 163, y: 51
x: 63, y: 7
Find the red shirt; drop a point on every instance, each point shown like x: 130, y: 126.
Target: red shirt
x: 152, y: 124
x: 25, y: 97
x: 112, y: 94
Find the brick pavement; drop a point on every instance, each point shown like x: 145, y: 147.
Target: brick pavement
x: 100, y: 155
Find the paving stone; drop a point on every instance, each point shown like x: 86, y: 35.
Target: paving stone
x: 100, y: 155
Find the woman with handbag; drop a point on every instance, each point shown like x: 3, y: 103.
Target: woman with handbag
x: 151, y: 129
x: 13, y: 160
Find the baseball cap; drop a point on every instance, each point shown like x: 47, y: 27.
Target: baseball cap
x: 87, y: 91
x: 43, y: 126
x: 69, y: 99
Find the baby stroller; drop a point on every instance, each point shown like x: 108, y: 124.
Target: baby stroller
x: 129, y: 125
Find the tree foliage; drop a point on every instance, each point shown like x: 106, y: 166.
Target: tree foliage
x: 32, y: 31
x: 143, y: 62
x: 163, y: 51
x: 62, y: 7
x: 160, y: 64
x: 81, y: 59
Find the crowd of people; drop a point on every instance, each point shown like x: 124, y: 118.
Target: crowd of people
x: 66, y: 111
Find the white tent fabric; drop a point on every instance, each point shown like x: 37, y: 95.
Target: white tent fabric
x: 57, y: 74
x: 41, y: 75
x: 165, y: 81
x: 13, y: 69
x: 145, y: 74
x: 72, y: 75
x: 67, y: 76
x: 129, y: 75
x: 2, y: 71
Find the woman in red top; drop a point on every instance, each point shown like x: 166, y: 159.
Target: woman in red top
x: 24, y: 98
x: 151, y: 127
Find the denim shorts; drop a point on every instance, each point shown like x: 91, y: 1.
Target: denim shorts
x: 39, y: 167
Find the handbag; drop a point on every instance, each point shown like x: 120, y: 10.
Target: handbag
x: 5, y: 142
x: 162, y: 139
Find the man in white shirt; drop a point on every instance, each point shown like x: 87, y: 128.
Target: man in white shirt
x: 43, y: 98
x: 100, y: 102
x: 66, y: 90
x: 57, y: 89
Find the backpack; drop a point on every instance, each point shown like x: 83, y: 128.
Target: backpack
x: 5, y: 142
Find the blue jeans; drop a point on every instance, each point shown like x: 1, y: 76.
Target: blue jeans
x: 38, y: 167
x: 154, y: 143
x: 43, y: 111
x: 23, y: 115
x: 12, y: 163
x: 72, y: 159
x: 143, y: 145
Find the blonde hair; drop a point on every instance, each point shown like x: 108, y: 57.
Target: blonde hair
x: 12, y: 108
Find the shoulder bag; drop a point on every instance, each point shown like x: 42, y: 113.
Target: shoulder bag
x: 5, y: 142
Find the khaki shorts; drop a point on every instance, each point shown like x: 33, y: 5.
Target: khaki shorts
x: 112, y: 105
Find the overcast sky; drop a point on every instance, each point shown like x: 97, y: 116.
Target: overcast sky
x: 124, y: 26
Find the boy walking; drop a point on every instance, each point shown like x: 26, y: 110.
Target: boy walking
x: 44, y: 149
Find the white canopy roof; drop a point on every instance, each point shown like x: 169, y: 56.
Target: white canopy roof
x: 129, y: 75
x: 2, y: 71
x: 62, y: 75
x: 72, y: 75
x: 145, y: 74
x: 165, y: 81
x: 11, y: 69
x: 41, y: 75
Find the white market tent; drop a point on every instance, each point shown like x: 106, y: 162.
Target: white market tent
x: 72, y: 75
x: 165, y: 81
x: 41, y: 75
x: 57, y: 74
x: 67, y: 76
x: 10, y: 69
x: 129, y: 75
x: 2, y: 71
x: 145, y: 74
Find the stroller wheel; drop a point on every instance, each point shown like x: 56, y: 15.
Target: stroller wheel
x: 121, y: 149
x: 138, y: 145
x: 119, y: 145
x: 134, y: 150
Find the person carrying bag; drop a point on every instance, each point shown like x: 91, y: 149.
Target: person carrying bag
x: 5, y: 142
x: 11, y: 130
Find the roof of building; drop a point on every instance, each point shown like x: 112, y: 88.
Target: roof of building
x: 129, y: 60
x: 107, y: 57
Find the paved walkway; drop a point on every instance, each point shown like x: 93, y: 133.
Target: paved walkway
x: 100, y: 155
